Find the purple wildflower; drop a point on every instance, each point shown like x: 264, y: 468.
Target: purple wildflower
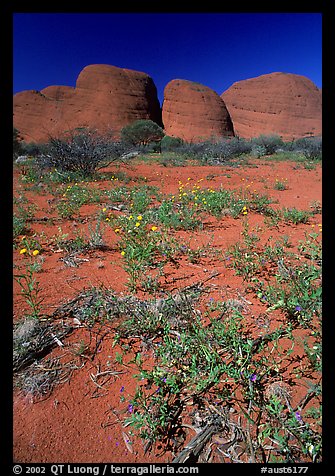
x: 253, y: 377
x: 298, y: 416
x: 122, y: 389
x: 130, y: 408
x: 298, y: 308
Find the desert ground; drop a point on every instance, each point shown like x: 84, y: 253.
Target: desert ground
x: 162, y: 304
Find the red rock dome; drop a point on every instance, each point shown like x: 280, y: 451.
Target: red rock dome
x: 278, y: 103
x: 105, y: 98
x: 194, y: 112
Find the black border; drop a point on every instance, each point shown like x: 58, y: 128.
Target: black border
x: 328, y: 92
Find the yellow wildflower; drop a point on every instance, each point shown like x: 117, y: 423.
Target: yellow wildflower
x: 154, y: 228
x: 123, y: 253
x: 24, y: 250
x: 104, y: 209
x: 140, y: 217
x: 35, y: 252
x: 137, y: 223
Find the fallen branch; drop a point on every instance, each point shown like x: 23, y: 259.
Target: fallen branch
x: 194, y: 447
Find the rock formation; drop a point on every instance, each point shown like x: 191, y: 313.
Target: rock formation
x: 105, y: 98
x: 194, y: 112
x: 278, y: 103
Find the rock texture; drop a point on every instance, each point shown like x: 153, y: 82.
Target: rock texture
x: 105, y: 98
x: 194, y: 112
x: 278, y: 103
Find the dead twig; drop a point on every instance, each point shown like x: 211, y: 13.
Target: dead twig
x: 195, y: 446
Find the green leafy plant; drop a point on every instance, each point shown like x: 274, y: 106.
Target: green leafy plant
x: 280, y: 185
x: 30, y: 289
x: 293, y: 215
x: 142, y: 132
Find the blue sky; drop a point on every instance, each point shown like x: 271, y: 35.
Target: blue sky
x: 215, y: 49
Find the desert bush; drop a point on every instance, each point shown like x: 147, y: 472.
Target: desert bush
x: 310, y: 147
x: 215, y: 151
x: 142, y: 132
x: 270, y: 142
x: 258, y: 150
x: 17, y: 145
x: 33, y: 149
x: 169, y: 143
x: 229, y: 148
x: 82, y: 151
x: 194, y: 150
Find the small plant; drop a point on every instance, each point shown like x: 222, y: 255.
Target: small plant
x: 138, y: 247
x: 29, y: 286
x: 247, y: 260
x: 280, y: 185
x: 293, y: 215
x: 17, y: 143
x: 310, y: 147
x: 179, y: 216
x: 19, y: 225
x: 258, y: 151
x: 66, y: 209
x: 316, y: 207
x: 270, y: 143
x: 95, y: 239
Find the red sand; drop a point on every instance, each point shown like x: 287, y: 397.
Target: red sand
x: 76, y: 423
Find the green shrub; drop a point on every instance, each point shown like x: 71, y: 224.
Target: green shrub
x: 270, y: 142
x: 142, y: 132
x: 169, y: 143
x: 17, y: 146
x: 33, y: 149
x: 310, y: 147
